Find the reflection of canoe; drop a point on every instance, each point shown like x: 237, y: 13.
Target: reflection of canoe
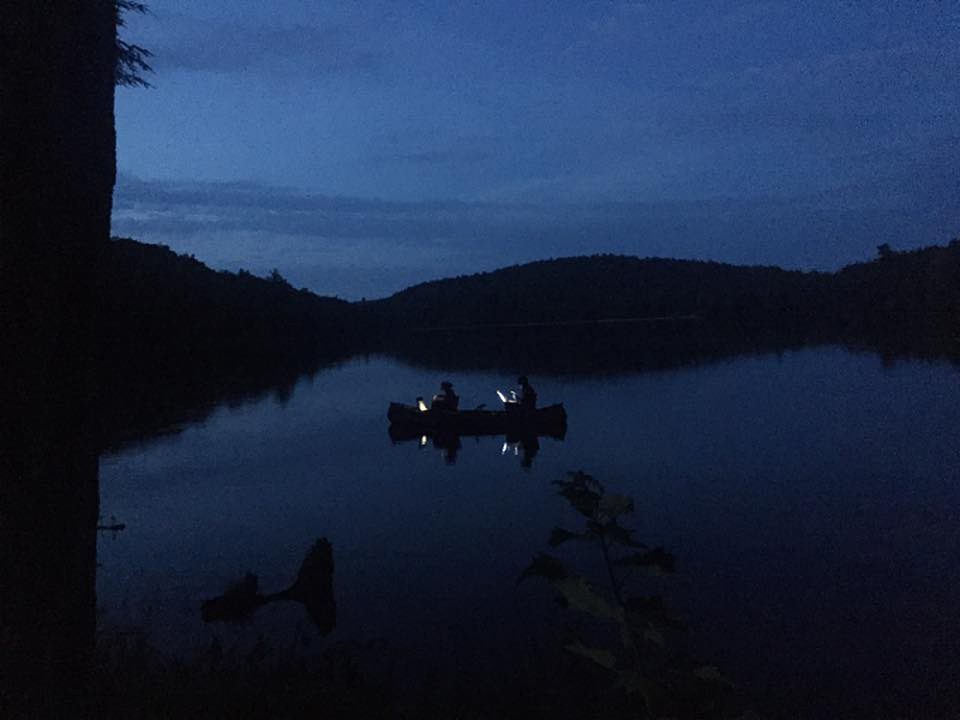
x: 550, y: 420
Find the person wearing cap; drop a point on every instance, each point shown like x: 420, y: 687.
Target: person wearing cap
x: 446, y: 399
x: 528, y: 396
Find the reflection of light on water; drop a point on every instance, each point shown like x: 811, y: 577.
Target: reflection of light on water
x: 507, y: 447
x: 423, y: 441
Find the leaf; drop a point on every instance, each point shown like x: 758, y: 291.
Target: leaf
x: 601, y: 657
x: 560, y: 536
x: 621, y: 535
x: 615, y: 504
x: 594, y: 531
x: 582, y: 478
x: 583, y: 501
x: 657, y: 560
x: 545, y: 566
x: 579, y: 595
x: 582, y: 492
x: 641, y: 610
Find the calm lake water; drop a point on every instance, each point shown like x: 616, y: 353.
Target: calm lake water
x: 812, y: 499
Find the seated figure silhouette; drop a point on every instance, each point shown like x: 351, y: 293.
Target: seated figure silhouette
x: 313, y: 587
x: 528, y: 396
x: 446, y: 399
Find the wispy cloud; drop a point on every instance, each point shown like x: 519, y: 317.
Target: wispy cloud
x: 456, y: 156
x: 355, y: 247
x: 187, y: 43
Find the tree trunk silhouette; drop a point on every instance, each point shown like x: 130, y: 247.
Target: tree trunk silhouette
x: 57, y: 162
x: 57, y: 171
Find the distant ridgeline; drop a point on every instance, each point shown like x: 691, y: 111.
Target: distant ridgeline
x: 154, y: 297
x: 919, y: 289
x: 179, y: 335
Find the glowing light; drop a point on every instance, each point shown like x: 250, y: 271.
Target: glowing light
x: 423, y: 441
x: 503, y: 398
x: 421, y: 404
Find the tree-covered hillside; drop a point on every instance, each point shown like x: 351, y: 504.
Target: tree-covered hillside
x: 915, y: 291
x: 152, y: 296
x: 176, y: 337
x: 920, y: 286
x: 603, y: 287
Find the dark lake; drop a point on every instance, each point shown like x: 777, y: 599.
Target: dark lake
x: 811, y: 498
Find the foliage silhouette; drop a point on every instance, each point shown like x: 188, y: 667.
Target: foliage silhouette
x: 132, y: 59
x: 641, y: 662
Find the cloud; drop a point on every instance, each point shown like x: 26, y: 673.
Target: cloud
x: 355, y: 247
x: 187, y: 43
x: 433, y: 157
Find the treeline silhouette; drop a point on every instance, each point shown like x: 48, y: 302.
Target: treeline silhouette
x: 611, y: 314
x: 918, y: 290
x: 152, y: 294
x: 913, y: 292
x: 176, y: 336
x: 598, y: 287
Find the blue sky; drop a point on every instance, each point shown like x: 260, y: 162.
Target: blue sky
x: 362, y: 147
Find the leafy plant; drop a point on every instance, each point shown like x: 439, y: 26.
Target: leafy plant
x: 641, y: 659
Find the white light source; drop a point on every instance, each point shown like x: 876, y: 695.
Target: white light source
x: 503, y: 398
x: 423, y: 441
x: 421, y: 404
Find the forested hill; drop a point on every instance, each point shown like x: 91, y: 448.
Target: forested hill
x: 912, y: 292
x: 154, y: 297
x: 603, y: 287
x: 900, y: 285
x: 177, y: 338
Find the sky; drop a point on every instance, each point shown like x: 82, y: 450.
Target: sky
x: 363, y: 147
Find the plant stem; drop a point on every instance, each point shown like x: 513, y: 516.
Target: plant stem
x: 614, y: 585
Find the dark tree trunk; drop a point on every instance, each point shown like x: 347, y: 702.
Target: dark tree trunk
x: 57, y: 170
x: 57, y: 161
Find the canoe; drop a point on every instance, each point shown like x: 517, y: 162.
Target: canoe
x: 550, y: 420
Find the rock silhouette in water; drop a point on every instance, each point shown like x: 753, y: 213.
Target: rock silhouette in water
x: 313, y: 587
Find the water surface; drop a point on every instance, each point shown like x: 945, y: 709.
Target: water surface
x: 811, y: 497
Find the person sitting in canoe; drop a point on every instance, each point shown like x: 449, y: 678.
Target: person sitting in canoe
x: 446, y: 399
x: 528, y: 396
